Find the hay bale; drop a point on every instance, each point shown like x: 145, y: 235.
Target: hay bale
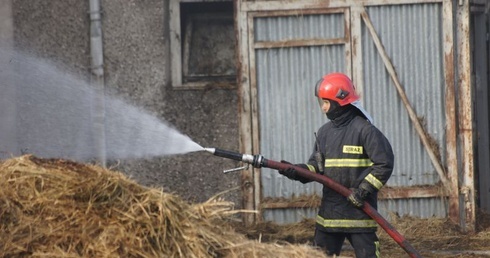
x: 59, y: 208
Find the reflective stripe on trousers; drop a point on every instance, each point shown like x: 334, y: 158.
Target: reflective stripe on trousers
x: 346, y: 223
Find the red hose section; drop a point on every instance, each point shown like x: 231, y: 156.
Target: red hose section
x: 373, y: 213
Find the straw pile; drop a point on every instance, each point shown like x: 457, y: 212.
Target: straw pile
x: 436, y: 236
x: 59, y: 208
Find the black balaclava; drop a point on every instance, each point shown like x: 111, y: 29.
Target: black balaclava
x: 336, y: 110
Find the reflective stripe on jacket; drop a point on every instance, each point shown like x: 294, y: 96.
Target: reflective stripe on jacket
x: 355, y: 152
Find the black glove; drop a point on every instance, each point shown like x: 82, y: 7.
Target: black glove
x: 358, y: 196
x: 288, y: 172
x: 291, y: 173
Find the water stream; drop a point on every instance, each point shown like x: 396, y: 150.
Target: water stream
x: 51, y: 113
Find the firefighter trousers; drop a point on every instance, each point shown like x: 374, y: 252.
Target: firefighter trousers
x: 366, y: 245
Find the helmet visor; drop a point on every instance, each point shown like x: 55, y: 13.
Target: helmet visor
x: 317, y: 88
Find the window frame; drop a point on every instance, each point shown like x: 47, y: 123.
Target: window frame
x: 176, y: 47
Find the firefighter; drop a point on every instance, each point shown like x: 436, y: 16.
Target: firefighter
x: 355, y: 154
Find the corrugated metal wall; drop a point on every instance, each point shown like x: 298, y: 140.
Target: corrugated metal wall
x: 412, y: 37
x: 289, y: 113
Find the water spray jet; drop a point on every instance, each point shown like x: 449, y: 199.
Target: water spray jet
x: 52, y: 114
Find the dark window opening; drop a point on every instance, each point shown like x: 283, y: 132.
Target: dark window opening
x: 208, y: 42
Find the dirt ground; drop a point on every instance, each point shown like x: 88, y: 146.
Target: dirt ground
x: 432, y: 238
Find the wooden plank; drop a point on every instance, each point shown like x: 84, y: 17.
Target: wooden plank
x: 450, y: 110
x: 296, y: 12
x: 347, y: 40
x: 356, y: 45
x: 245, y: 115
x: 254, y: 112
x: 467, y: 187
x: 322, y: 4
x: 386, y: 193
x: 412, y: 192
x: 299, y: 43
x: 175, y: 43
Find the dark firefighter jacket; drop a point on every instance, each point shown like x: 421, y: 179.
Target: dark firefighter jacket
x: 355, y: 152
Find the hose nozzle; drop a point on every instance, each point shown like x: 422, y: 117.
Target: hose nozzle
x: 210, y: 150
x: 255, y: 160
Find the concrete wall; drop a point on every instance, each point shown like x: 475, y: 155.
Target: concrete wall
x: 7, y: 106
x: 136, y: 67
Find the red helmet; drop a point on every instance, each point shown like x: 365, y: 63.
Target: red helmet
x: 337, y: 87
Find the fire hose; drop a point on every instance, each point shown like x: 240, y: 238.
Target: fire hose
x: 259, y: 161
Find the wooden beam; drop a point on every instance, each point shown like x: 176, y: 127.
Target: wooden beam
x: 316, y: 4
x: 356, y: 46
x: 411, y: 192
x: 244, y: 109
x: 386, y: 193
x: 348, y: 42
x: 297, y: 12
x: 450, y: 110
x: 299, y: 43
x: 175, y: 43
x: 465, y: 101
